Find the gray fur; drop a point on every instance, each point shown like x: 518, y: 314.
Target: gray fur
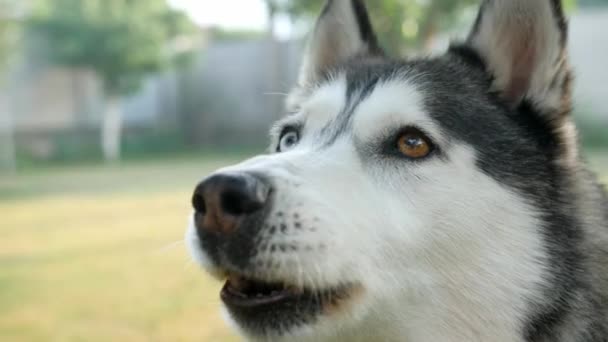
x: 523, y: 138
x: 523, y: 149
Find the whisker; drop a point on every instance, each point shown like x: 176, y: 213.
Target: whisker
x: 276, y: 94
x: 169, y: 246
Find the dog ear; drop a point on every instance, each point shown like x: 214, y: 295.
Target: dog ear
x: 523, y: 44
x: 342, y: 31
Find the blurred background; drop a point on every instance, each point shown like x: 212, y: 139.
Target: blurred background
x: 112, y: 110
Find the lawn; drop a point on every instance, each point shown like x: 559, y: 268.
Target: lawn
x: 95, y: 254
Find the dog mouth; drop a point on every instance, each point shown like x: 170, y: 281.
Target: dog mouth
x: 244, y: 292
x: 263, y: 307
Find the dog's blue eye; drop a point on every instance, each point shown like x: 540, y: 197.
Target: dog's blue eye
x: 288, y: 141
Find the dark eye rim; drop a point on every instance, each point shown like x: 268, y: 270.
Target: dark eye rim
x: 286, y: 130
x: 391, y: 145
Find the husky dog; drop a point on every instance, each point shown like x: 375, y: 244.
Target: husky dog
x: 436, y: 199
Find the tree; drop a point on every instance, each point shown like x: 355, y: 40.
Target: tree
x: 7, y: 31
x: 121, y: 40
x: 401, y: 25
x: 9, y: 34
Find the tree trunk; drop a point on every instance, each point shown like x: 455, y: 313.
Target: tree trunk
x: 276, y: 71
x: 111, y: 129
x: 8, y: 159
x: 8, y: 156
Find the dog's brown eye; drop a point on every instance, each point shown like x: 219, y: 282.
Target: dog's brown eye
x: 414, y: 145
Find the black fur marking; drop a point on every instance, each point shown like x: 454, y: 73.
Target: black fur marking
x: 528, y: 117
x: 468, y: 55
x: 359, y: 87
x: 362, y: 76
x: 480, y: 14
x: 517, y: 147
x: 366, y: 29
x: 562, y: 23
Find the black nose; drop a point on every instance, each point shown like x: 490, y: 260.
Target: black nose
x: 222, y: 201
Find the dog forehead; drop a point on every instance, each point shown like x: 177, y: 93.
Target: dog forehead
x: 393, y: 104
x: 365, y: 101
x: 444, y: 96
x: 327, y: 106
x: 325, y: 103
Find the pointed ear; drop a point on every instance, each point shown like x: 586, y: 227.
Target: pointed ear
x: 523, y: 44
x: 342, y: 31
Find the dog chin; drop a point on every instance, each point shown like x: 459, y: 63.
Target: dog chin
x: 338, y: 323
x: 277, y: 309
x: 263, y: 309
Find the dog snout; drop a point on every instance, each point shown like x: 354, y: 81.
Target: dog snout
x: 222, y: 201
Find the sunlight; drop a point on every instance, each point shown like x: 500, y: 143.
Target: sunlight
x: 227, y: 14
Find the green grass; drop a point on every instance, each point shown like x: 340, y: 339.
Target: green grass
x: 598, y: 160
x: 94, y: 253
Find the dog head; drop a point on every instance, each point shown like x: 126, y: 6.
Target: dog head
x: 400, y: 197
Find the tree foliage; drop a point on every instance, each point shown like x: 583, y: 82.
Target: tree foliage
x: 8, y: 31
x: 400, y: 24
x: 121, y: 40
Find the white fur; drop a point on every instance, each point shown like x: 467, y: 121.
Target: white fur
x: 324, y: 104
x: 442, y: 251
x: 395, y: 103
